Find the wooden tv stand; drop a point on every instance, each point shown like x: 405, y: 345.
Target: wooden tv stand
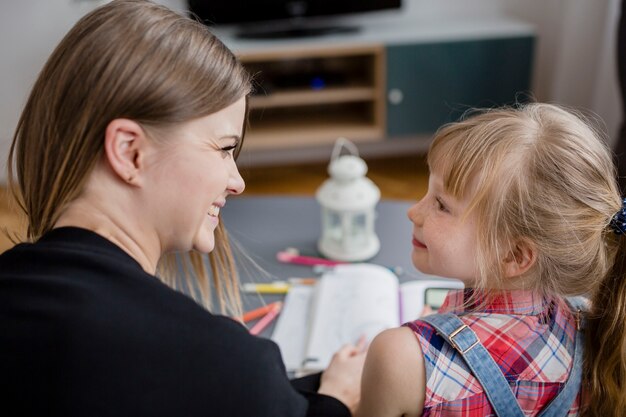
x: 387, y: 87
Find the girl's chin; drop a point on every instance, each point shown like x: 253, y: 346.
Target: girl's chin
x: 421, y: 265
x: 423, y: 270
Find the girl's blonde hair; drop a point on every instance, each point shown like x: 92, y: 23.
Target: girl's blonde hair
x: 540, y: 175
x: 126, y: 59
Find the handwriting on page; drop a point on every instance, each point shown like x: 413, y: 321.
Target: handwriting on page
x: 346, y: 307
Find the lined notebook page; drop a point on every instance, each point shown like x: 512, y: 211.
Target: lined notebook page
x: 350, y: 301
x: 293, y: 325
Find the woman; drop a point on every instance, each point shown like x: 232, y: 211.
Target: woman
x: 125, y: 153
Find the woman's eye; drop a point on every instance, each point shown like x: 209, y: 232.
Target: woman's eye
x: 228, y: 150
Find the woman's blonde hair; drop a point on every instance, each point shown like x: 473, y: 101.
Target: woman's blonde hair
x: 540, y: 175
x: 126, y: 59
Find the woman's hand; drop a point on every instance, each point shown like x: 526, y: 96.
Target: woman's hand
x: 427, y: 311
x: 342, y: 378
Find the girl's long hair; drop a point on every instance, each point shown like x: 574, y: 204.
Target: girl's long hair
x: 540, y: 175
x: 606, y: 342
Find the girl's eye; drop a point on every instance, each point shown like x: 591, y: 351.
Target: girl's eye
x: 441, y: 206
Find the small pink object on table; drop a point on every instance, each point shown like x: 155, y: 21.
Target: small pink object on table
x: 266, y: 320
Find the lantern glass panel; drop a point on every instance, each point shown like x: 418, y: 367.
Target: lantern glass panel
x: 358, y: 230
x: 334, y: 225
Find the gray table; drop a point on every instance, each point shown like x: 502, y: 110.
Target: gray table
x: 263, y: 226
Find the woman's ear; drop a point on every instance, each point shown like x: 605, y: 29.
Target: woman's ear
x: 520, y: 259
x: 124, y: 146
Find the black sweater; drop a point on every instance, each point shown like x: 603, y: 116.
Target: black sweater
x: 85, y: 331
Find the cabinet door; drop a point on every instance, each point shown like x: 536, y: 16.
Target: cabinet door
x: 432, y: 84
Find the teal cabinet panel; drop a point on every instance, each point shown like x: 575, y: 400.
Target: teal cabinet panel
x: 432, y: 84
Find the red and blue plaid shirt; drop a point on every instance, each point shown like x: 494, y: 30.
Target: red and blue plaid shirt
x: 530, y: 338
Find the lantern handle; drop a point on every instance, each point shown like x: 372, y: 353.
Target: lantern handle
x: 341, y: 143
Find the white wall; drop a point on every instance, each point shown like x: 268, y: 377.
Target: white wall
x: 575, y: 59
x: 29, y: 31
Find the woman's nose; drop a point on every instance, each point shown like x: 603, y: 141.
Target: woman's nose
x: 236, y: 184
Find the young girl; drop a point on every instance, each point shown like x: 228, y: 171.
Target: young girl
x: 522, y: 206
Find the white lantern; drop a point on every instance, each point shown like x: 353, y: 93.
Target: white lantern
x: 348, y: 200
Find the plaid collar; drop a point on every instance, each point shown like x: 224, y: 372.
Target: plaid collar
x: 518, y: 302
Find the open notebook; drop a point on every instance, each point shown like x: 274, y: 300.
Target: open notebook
x: 348, y: 301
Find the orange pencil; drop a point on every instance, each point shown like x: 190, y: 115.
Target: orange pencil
x: 259, y: 312
x: 266, y: 320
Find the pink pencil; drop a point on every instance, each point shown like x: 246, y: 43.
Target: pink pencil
x: 266, y: 319
x: 287, y: 257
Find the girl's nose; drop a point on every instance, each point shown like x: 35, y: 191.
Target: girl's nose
x: 414, y: 213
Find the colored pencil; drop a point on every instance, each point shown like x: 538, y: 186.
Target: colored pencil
x: 290, y: 258
x: 259, y: 312
x: 266, y: 320
x: 276, y: 287
x: 302, y: 281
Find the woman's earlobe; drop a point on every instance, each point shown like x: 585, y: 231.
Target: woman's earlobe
x: 124, y: 143
x: 130, y: 179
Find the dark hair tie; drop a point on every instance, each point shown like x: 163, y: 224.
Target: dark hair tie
x: 618, y: 222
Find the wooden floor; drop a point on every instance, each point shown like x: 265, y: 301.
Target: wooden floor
x: 402, y: 178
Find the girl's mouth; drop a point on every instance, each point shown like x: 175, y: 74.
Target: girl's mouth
x: 418, y: 244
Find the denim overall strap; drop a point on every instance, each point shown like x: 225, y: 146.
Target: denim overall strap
x: 561, y: 404
x: 483, y: 367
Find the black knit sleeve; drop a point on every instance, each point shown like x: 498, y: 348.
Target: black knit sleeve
x: 289, y: 396
x: 319, y: 404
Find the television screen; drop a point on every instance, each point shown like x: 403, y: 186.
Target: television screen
x: 219, y: 12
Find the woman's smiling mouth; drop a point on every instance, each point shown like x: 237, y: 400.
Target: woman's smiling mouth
x: 214, y: 211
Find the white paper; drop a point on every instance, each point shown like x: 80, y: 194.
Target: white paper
x: 347, y: 302
x: 292, y: 326
x: 350, y: 301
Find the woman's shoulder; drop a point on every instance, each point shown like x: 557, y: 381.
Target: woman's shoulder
x: 66, y: 248
x: 88, y: 279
